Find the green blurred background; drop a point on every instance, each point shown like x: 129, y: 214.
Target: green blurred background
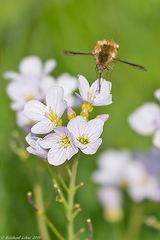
x: 45, y: 28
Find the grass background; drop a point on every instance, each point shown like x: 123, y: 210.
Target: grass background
x: 45, y: 28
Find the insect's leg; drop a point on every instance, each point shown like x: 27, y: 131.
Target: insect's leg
x: 109, y: 72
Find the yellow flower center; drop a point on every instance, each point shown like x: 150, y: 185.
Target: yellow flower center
x: 83, y: 139
x: 65, y: 141
x: 29, y: 97
x: 52, y: 116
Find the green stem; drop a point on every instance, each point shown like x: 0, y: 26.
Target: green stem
x: 71, y: 196
x: 54, y: 229
x: 135, y: 222
x: 40, y: 219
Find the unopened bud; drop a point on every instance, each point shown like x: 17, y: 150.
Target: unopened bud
x: 84, y: 113
x: 90, y: 229
x: 103, y: 117
x: 31, y: 201
x: 70, y: 113
x: 87, y: 106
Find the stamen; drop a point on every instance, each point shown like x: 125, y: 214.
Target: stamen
x: 83, y: 139
x: 52, y: 116
x: 65, y: 141
x: 91, y: 95
x: 29, y: 97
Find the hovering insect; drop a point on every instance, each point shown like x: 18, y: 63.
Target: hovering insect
x: 105, y: 53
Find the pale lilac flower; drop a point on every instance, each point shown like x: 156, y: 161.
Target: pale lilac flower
x: 31, y: 69
x: 91, y: 95
x: 23, y: 122
x: 21, y: 92
x: 133, y: 172
x: 86, y: 134
x: 112, y: 166
x: 146, y: 121
x: 65, y: 80
x: 142, y: 185
x: 61, y: 144
x: 111, y: 200
x: 35, y: 147
x: 47, y: 116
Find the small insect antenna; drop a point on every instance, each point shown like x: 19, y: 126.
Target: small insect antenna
x: 68, y: 52
x: 137, y: 66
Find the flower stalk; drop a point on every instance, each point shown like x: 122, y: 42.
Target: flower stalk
x: 71, y: 196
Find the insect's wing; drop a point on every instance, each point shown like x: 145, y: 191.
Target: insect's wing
x: 139, y: 67
x: 68, y: 52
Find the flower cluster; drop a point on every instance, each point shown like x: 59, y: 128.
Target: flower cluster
x: 32, y: 82
x: 146, y: 120
x: 137, y: 173
x: 57, y: 142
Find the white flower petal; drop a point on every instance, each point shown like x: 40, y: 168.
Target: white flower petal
x: 106, y: 86
x: 31, y: 150
x: 54, y: 100
x: 94, y: 129
x: 17, y: 106
x: 49, y: 66
x: 83, y: 86
x: 31, y: 140
x: 23, y: 122
x: 104, y: 97
x: 15, y: 91
x: 144, y: 119
x: 31, y: 66
x: 46, y: 83
x: 68, y: 82
x: 43, y: 127
x: 110, y: 197
x: 35, y: 147
x: 56, y: 156
x: 92, y: 148
x: 156, y: 139
x: 12, y: 76
x: 77, y: 126
x: 70, y: 152
x: 49, y: 140
x: 35, y: 110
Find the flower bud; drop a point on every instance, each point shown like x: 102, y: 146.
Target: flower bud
x: 84, y: 113
x: 87, y: 106
x: 70, y: 113
x: 103, y: 117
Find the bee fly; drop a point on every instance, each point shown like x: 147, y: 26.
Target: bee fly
x: 105, y: 53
